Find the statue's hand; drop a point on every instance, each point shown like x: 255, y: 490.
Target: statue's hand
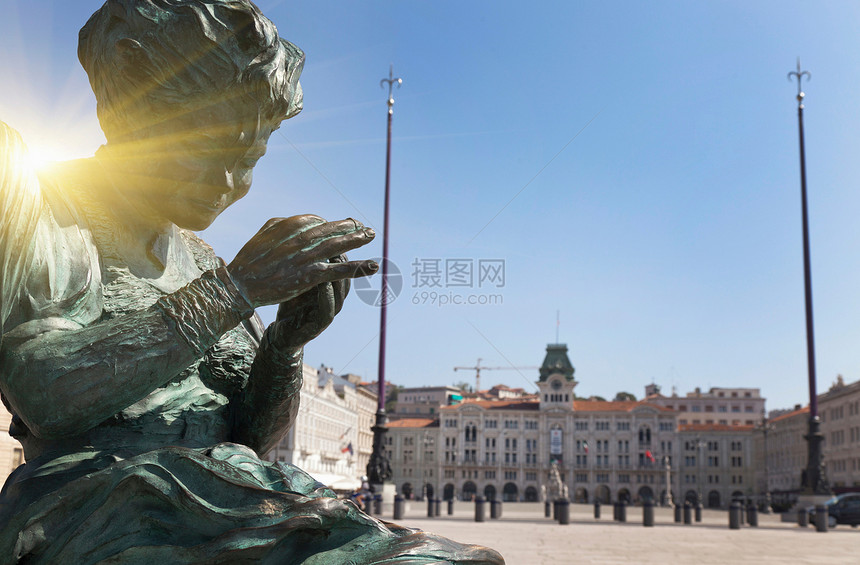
x: 303, y: 318
x: 290, y: 256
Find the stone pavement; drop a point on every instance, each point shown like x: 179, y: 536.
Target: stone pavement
x: 524, y: 537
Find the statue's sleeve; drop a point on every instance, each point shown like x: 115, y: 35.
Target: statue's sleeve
x: 49, y: 264
x: 20, y: 210
x: 62, y: 369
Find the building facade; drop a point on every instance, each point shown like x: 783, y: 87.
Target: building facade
x: 412, y: 451
x: 331, y: 438
x: 716, y: 463
x: 425, y: 401
x: 839, y: 409
x: 506, y: 449
x: 717, y: 406
x: 781, y: 454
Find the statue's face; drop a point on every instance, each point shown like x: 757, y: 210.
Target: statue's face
x: 193, y: 166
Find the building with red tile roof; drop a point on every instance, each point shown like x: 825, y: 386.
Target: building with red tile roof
x: 505, y: 447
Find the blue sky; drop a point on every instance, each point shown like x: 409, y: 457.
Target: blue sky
x: 666, y: 232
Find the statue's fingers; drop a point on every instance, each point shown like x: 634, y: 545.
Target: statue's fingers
x: 341, y: 287
x: 330, y: 272
x: 283, y: 229
x: 326, y: 302
x: 340, y: 244
x: 330, y: 230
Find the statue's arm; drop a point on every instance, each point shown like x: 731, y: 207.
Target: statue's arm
x: 62, y: 379
x: 267, y: 406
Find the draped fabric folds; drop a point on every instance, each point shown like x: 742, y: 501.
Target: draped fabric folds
x: 180, y: 505
x: 158, y: 481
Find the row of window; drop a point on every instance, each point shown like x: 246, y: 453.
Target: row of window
x: 721, y: 408
x: 601, y: 425
x: 841, y: 465
x: 711, y: 445
x: 491, y: 425
x: 837, y: 438
x: 510, y: 443
x: 684, y: 422
x: 713, y: 461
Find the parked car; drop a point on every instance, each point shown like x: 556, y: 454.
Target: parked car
x: 842, y: 509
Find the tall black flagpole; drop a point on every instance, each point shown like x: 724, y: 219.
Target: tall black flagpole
x: 815, y: 477
x: 379, y: 468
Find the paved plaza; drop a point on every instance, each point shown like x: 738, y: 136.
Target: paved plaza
x: 525, y: 537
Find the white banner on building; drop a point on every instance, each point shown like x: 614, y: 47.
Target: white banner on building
x: 555, y: 441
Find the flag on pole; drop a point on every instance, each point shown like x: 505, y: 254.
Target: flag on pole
x: 347, y: 447
x: 585, y: 445
x: 650, y: 455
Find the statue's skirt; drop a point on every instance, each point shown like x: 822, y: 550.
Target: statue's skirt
x: 220, y: 505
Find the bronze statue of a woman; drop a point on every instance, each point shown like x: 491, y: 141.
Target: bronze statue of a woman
x: 142, y: 385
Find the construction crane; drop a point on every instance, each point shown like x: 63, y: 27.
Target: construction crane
x: 478, y: 368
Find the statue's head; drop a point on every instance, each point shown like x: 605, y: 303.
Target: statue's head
x: 191, y: 90
x: 188, y: 93
x: 149, y: 60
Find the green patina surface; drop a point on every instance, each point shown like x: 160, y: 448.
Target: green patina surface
x: 143, y: 387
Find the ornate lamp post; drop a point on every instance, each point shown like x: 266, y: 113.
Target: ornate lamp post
x: 699, y: 445
x: 814, y: 479
x: 378, y: 468
x: 502, y: 436
x: 426, y: 489
x: 766, y: 426
x: 669, y: 501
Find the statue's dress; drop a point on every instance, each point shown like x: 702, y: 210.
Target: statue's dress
x: 157, y: 482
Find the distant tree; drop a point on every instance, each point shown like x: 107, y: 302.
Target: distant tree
x: 625, y: 396
x: 391, y: 393
x: 463, y: 385
x: 596, y: 398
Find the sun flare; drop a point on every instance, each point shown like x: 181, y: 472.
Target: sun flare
x: 41, y: 155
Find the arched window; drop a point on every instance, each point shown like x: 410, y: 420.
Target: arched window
x: 469, y: 490
x: 510, y: 493
x: 471, y: 432
x: 713, y: 499
x: 490, y: 492
x: 645, y: 493
x: 691, y: 497
x: 603, y: 494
